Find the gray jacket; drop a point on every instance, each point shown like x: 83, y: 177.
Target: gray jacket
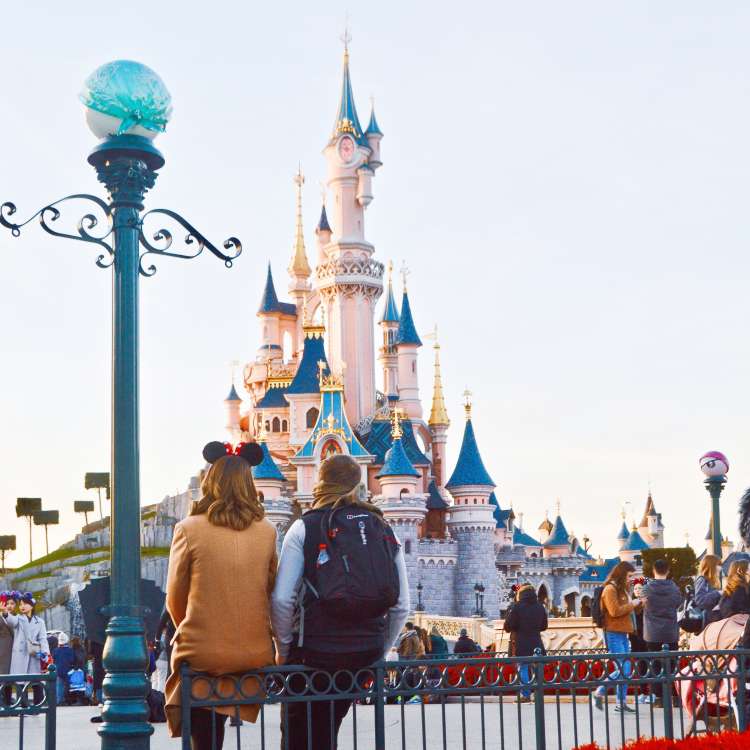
x: 660, y: 613
x: 28, y: 632
x: 706, y: 596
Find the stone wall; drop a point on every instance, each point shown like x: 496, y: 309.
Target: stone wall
x: 436, y: 570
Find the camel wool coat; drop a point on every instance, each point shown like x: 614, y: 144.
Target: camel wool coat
x: 219, y: 587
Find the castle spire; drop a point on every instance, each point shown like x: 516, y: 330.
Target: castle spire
x: 390, y: 311
x: 439, y: 414
x: 299, y: 266
x: 469, y: 467
x: 347, y: 120
x: 269, y: 301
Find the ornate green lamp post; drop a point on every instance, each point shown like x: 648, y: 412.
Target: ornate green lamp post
x: 127, y: 105
x: 715, y: 466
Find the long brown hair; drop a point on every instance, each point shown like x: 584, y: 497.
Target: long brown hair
x: 619, y: 576
x: 737, y: 577
x: 229, y: 495
x: 709, y: 569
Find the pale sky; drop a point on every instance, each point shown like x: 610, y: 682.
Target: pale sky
x: 567, y: 182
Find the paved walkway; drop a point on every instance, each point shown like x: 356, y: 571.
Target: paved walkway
x: 407, y: 728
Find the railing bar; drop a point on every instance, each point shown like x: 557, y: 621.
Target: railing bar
x: 238, y: 724
x: 445, y: 732
x: 574, y: 701
x: 262, y: 726
x: 501, y: 713
x: 331, y: 727
x: 424, y: 728
x: 591, y: 715
x: 606, y: 717
x: 308, y: 713
x: 481, y: 714
x: 518, y: 717
x: 463, y: 720
x: 403, y: 716
x: 559, y: 724
x: 213, y: 729
x: 354, y: 723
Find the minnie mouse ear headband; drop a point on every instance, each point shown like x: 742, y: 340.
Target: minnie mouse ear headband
x: 251, y: 452
x: 28, y: 598
x: 6, y: 596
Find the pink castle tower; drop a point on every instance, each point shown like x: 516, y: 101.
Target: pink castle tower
x: 347, y: 278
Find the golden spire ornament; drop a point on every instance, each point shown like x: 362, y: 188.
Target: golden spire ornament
x: 299, y: 265
x: 439, y: 413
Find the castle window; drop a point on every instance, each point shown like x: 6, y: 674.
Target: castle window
x: 260, y: 496
x: 284, y: 425
x: 311, y: 417
x: 268, y: 426
x: 275, y: 425
x: 475, y: 501
x: 413, y: 366
x: 407, y: 547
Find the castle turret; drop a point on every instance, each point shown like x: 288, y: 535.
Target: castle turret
x: 623, y: 534
x: 439, y: 422
x: 472, y: 525
x: 389, y: 326
x: 402, y: 507
x: 299, y: 268
x: 349, y: 280
x: 558, y: 542
x: 269, y: 482
x: 232, y: 404
x: 633, y: 548
x: 323, y: 233
x: 545, y: 528
x: 407, y: 346
x: 374, y: 136
x: 277, y: 318
x: 651, y: 527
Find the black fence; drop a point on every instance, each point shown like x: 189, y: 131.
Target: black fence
x: 560, y: 701
x: 26, y: 696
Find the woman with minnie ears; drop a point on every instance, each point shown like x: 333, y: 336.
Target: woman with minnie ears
x: 222, y: 567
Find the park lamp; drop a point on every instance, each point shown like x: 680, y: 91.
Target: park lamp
x: 97, y: 480
x: 126, y: 106
x: 715, y: 467
x: 25, y: 508
x: 7, y: 544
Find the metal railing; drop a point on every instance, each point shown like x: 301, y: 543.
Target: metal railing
x: 538, y: 702
x: 25, y: 696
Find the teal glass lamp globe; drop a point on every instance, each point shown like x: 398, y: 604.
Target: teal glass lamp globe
x: 126, y: 97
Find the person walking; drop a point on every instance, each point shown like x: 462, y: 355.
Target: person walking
x: 29, y: 643
x: 618, y: 609
x: 708, y: 589
x: 661, y: 597
x: 735, y: 599
x: 464, y: 644
x: 222, y: 566
x: 341, y: 544
x: 65, y: 660
x: 526, y: 620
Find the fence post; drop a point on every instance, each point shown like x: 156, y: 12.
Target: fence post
x: 740, y: 700
x: 50, y: 728
x: 379, y: 706
x: 186, y: 694
x: 541, y: 729
x: 666, y: 692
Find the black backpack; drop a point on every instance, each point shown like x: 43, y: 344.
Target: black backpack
x: 355, y: 572
x: 597, y: 613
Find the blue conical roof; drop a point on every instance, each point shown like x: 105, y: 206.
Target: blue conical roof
x: 559, y: 535
x: 390, y: 311
x: 267, y: 468
x: 521, y: 538
x: 635, y: 542
x: 347, y: 120
x: 323, y: 225
x: 397, y: 463
x: 233, y: 395
x: 469, y: 467
x: 407, y: 332
x: 372, y: 127
x: 435, y: 500
x: 306, y: 379
x: 269, y: 302
x: 624, y: 533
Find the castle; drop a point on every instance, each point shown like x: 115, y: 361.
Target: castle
x: 311, y: 393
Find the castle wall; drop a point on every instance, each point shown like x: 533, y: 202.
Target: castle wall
x: 437, y: 571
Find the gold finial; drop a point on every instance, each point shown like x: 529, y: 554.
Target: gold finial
x: 390, y: 270
x: 467, y: 394
x: 557, y: 506
x: 438, y: 414
x: 404, y: 274
x: 299, y: 265
x: 396, y: 417
x: 330, y: 421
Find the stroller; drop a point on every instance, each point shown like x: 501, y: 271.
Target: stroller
x: 708, y: 699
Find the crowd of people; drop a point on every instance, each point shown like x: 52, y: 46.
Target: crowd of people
x: 336, y: 599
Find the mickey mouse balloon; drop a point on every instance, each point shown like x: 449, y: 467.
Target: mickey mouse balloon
x: 124, y: 96
x: 714, y: 464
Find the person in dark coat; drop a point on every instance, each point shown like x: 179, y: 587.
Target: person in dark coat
x: 464, y: 644
x: 438, y: 643
x: 708, y: 589
x: 526, y: 619
x: 65, y: 659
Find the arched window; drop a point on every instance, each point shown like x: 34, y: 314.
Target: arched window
x: 407, y: 547
x: 403, y: 492
x: 284, y: 425
x: 268, y: 426
x: 275, y: 425
x: 311, y: 417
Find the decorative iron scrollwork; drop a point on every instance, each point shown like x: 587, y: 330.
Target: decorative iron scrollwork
x: 51, y: 213
x: 193, y: 244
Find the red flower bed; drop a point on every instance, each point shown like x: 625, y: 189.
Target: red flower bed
x: 723, y: 741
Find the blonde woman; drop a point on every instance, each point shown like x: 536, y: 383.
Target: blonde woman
x: 735, y: 600
x: 222, y: 567
x: 708, y: 589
